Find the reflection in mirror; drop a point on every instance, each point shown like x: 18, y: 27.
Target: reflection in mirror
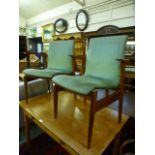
x: 82, y: 20
x: 60, y: 25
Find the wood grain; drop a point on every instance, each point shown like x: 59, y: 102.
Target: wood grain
x: 70, y: 127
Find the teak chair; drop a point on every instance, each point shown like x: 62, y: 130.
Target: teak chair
x: 59, y: 62
x: 103, y: 71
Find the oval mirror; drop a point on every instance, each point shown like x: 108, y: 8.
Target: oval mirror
x: 82, y: 20
x: 60, y: 25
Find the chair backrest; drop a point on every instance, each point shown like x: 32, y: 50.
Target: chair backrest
x: 101, y: 57
x: 58, y: 55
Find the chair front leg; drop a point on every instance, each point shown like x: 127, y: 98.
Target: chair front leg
x: 55, y: 96
x: 26, y: 89
x: 91, y: 117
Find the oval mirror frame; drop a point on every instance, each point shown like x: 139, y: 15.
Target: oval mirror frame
x: 80, y: 13
x: 59, y: 28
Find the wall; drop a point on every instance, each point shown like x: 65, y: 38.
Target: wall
x: 22, y: 25
x: 101, y: 12
x: 22, y: 21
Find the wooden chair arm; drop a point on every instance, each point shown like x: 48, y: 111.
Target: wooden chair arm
x: 124, y: 61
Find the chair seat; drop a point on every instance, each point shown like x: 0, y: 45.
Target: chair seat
x: 83, y: 84
x: 44, y: 73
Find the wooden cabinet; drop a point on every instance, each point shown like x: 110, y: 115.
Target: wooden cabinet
x: 79, y: 48
x: 22, y: 47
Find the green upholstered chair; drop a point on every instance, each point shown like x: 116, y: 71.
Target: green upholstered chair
x: 59, y: 62
x: 103, y: 71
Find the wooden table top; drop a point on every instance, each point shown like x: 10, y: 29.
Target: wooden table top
x: 70, y: 128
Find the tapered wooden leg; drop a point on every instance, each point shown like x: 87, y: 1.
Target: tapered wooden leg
x: 85, y: 100
x: 91, y: 118
x: 49, y: 86
x: 26, y: 89
x: 120, y: 108
x: 27, y: 130
x: 55, y: 96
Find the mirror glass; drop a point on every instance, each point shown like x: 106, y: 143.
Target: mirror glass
x: 82, y: 20
x: 60, y: 25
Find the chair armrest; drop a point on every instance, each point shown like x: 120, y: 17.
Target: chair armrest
x: 124, y: 61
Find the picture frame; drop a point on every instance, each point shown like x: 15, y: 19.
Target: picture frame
x: 82, y: 20
x: 60, y: 25
x: 47, y: 32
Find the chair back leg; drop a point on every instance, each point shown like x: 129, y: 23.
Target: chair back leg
x: 26, y: 89
x: 120, y: 102
x: 55, y: 97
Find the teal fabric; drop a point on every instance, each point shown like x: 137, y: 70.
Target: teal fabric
x: 102, y: 68
x: 58, y: 55
x: 82, y: 84
x: 45, y: 73
x: 101, y: 57
x: 59, y: 60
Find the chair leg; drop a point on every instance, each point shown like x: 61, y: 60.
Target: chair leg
x: 120, y: 108
x: 91, y: 118
x: 26, y: 89
x: 49, y: 86
x: 27, y: 130
x: 85, y: 100
x: 55, y: 96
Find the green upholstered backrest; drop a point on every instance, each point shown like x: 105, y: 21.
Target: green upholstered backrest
x: 101, y: 57
x: 58, y: 55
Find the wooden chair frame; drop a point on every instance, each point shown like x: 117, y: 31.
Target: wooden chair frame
x: 108, y: 99
x: 29, y: 78
x: 96, y: 105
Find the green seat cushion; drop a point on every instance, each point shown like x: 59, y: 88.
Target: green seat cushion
x: 44, y: 73
x: 82, y: 84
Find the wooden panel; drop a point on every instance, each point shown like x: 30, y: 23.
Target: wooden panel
x: 70, y: 128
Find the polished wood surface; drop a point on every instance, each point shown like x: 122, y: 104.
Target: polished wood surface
x: 70, y: 127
